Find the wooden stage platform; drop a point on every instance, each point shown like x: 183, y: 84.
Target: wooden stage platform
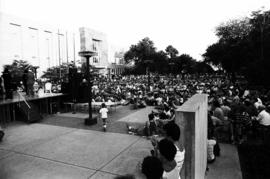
x: 28, y: 105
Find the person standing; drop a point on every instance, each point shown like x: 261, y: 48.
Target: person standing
x: 24, y: 78
x: 7, y: 83
x: 30, y: 82
x: 2, y: 88
x: 104, y: 115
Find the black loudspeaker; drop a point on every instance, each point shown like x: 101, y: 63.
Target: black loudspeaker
x: 71, y: 74
x: 75, y: 80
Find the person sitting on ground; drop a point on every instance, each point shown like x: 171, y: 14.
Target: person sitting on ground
x: 263, y: 117
x: 148, y: 129
x: 152, y: 167
x: 217, y: 113
x: 1, y: 133
x: 240, y: 120
x: 141, y: 103
x: 211, y: 142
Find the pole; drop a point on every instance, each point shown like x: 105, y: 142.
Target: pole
x: 87, y: 55
x: 148, y: 78
x: 67, y: 45
x: 89, y: 89
x: 262, y: 28
x: 74, y: 49
x: 59, y: 54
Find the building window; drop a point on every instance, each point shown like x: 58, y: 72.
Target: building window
x: 15, y: 41
x: 95, y: 59
x: 96, y: 44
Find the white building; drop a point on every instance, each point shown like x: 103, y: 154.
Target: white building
x: 92, y: 40
x: 41, y: 45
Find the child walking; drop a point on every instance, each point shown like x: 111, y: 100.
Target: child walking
x: 104, y: 115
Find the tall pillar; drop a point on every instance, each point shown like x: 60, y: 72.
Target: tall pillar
x: 192, y: 120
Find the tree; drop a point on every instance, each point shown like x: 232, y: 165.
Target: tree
x: 258, y: 67
x: 160, y: 64
x: 241, y: 47
x: 53, y: 73
x: 230, y: 51
x: 144, y: 55
x: 140, y: 52
x: 16, y: 69
x: 171, y: 51
x: 185, y: 63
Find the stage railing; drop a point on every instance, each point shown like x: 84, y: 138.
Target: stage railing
x: 24, y: 100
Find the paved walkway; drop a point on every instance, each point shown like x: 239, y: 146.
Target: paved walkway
x: 45, y: 151
x: 51, y: 151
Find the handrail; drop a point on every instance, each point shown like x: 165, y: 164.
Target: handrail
x: 24, y: 100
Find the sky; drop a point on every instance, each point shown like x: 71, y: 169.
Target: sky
x: 187, y: 25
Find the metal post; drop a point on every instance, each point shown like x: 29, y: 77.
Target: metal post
x: 89, y: 89
x: 87, y: 55
x: 262, y: 29
x: 67, y: 45
x: 74, y: 58
x: 148, y: 78
x: 59, y: 53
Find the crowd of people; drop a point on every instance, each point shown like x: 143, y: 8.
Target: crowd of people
x: 234, y: 108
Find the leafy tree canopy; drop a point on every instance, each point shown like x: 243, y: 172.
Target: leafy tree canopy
x: 171, y: 51
x: 242, y: 47
x: 140, y: 52
x: 16, y: 69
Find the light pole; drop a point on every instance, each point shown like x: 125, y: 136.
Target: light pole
x: 88, y: 55
x: 148, y: 73
x: 262, y: 29
x: 171, y: 64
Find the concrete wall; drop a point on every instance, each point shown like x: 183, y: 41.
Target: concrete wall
x: 192, y: 119
x: 39, y: 44
x: 92, y: 40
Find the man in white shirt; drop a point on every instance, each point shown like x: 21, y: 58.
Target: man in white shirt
x: 263, y: 117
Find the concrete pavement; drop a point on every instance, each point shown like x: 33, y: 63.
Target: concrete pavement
x: 51, y: 151
x: 28, y: 151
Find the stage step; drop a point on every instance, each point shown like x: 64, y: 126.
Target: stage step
x: 29, y: 114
